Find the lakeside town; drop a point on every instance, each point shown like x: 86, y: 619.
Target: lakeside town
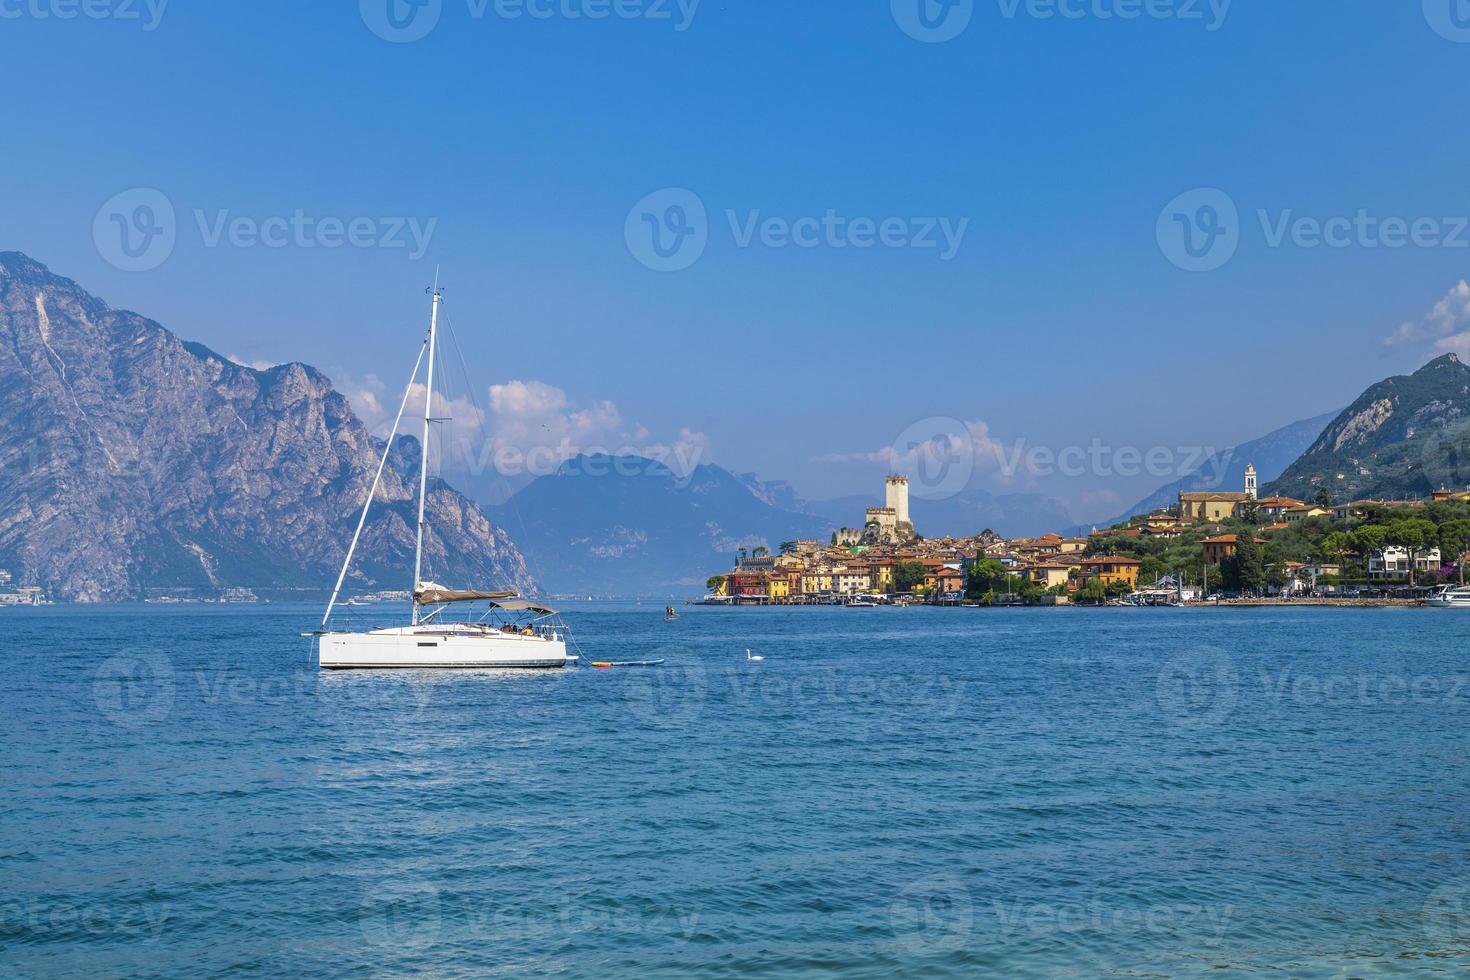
x: 1209, y: 546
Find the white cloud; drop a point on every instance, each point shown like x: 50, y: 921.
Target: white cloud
x: 934, y: 439
x: 527, y: 427
x: 253, y: 365
x: 1445, y: 324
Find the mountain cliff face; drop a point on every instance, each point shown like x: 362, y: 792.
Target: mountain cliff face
x: 1404, y: 437
x: 132, y: 461
x: 627, y: 526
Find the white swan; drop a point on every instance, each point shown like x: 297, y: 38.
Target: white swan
x: 750, y: 658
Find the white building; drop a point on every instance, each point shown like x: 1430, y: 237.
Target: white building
x: 1393, y: 562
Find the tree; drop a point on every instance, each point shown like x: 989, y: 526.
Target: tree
x: 787, y: 547
x: 1323, y: 498
x: 986, y: 575
x: 1245, y: 571
x: 1413, y: 535
x: 1454, y: 538
x: 1094, y: 591
x: 1250, y: 513
x: 1369, y: 539
x: 715, y: 584
x: 907, y: 576
x: 760, y: 552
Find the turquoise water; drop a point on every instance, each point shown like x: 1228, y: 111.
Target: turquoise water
x: 924, y: 791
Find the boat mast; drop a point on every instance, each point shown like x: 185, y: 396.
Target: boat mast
x: 418, y: 551
x: 373, y: 490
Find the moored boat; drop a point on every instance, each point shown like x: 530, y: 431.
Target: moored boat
x: 1450, y: 597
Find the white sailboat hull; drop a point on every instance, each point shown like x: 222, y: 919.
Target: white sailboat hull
x: 435, y: 647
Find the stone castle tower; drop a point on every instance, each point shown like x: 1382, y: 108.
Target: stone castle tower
x: 898, y: 497
x: 1250, y: 481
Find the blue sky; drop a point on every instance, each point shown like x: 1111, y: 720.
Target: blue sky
x: 520, y: 145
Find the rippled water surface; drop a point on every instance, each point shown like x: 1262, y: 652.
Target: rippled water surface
x: 922, y: 791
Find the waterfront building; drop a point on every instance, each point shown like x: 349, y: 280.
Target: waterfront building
x: 1110, y: 569
x: 1393, y: 562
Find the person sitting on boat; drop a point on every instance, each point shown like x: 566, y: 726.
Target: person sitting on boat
x: 528, y: 631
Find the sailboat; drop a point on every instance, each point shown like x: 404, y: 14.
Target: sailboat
x: 511, y: 632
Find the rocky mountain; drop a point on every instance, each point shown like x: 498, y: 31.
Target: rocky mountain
x: 1271, y: 454
x: 628, y: 526
x: 1404, y: 437
x: 134, y: 462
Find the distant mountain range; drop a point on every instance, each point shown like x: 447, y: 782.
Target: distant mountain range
x: 1404, y: 437
x: 133, y: 463
x: 628, y: 526
x: 1271, y: 454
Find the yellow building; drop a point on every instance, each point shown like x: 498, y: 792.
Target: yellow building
x: 779, y: 587
x: 1210, y: 506
x: 1294, y: 514
x: 816, y: 582
x: 1049, y: 576
x: 1110, y: 569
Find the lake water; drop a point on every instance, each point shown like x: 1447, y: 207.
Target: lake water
x: 941, y: 792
